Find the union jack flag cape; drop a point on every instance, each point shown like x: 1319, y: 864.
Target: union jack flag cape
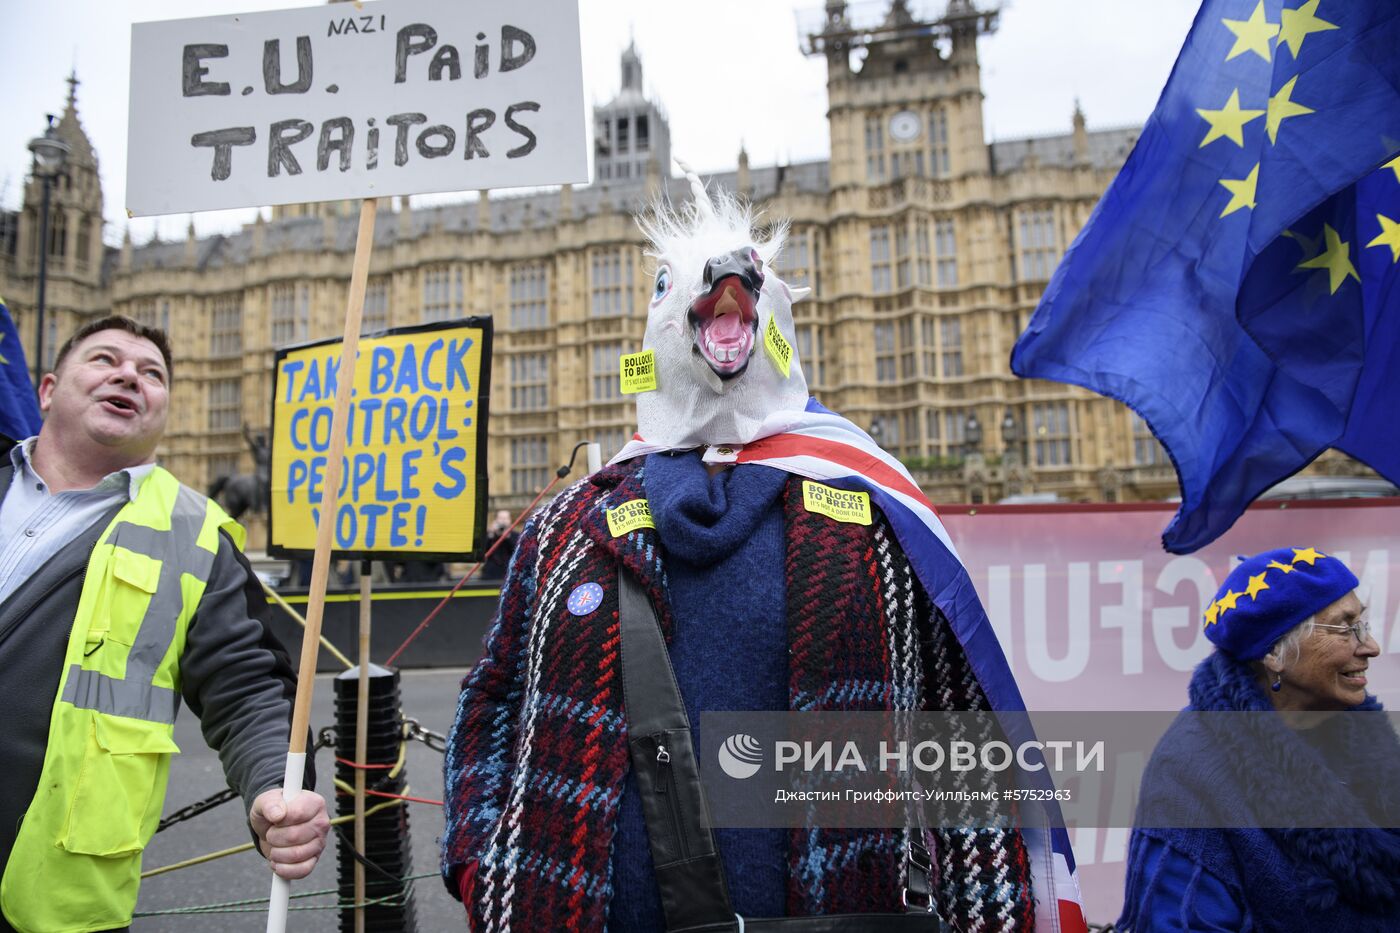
x: 824, y: 446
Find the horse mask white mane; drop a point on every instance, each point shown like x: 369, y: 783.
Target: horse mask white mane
x: 713, y: 297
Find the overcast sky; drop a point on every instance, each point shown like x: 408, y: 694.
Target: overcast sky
x: 726, y: 71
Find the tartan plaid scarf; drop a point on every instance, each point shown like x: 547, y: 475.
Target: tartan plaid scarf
x: 538, y: 752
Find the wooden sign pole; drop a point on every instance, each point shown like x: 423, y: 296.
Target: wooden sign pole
x: 362, y: 739
x: 325, y: 528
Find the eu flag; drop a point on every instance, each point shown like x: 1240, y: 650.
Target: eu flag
x: 1237, y: 283
x: 19, y: 412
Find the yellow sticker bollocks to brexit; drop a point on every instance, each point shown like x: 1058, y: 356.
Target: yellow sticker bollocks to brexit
x: 840, y: 504
x: 779, y: 350
x: 638, y: 372
x: 629, y: 516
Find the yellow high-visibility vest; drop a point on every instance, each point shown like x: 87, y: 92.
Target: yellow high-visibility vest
x: 76, y: 863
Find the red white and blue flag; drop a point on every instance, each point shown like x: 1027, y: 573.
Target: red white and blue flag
x: 826, y: 447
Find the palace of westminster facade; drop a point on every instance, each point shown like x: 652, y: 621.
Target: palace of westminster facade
x: 926, y: 248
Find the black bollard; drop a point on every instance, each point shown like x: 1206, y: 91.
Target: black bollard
x: 386, y: 832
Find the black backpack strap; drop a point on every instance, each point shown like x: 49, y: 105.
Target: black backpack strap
x: 688, y: 871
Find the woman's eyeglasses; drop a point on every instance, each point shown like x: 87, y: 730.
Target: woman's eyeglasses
x: 1360, y: 630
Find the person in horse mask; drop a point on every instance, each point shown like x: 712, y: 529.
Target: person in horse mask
x: 572, y: 794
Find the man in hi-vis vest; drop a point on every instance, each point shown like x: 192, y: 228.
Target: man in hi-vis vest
x: 122, y: 591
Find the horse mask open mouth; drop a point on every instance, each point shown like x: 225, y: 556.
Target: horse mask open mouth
x: 724, y: 320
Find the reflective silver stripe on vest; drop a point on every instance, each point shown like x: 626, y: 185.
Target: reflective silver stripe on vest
x: 93, y: 690
x: 178, y: 553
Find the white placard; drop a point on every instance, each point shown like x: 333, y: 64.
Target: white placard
x: 352, y: 101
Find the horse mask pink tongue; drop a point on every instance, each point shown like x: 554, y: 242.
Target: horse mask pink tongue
x: 727, y: 327
x: 724, y: 324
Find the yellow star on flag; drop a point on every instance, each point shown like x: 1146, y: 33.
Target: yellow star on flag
x: 1390, y: 236
x: 1298, y: 24
x: 1256, y: 585
x: 1241, y: 191
x: 3, y: 361
x: 1307, y: 555
x: 1228, y: 122
x: 1286, y: 568
x: 1394, y: 166
x: 1229, y: 600
x: 1336, y: 259
x: 1212, y: 614
x: 1281, y: 107
x: 1252, y: 35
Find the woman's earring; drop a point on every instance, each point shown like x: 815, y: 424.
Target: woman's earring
x: 1277, y: 685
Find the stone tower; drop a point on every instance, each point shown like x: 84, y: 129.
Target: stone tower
x: 76, y: 254
x: 630, y: 133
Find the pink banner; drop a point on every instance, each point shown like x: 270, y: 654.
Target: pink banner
x: 1094, y: 615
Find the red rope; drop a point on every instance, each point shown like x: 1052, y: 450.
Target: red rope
x: 380, y: 793
x: 468, y: 575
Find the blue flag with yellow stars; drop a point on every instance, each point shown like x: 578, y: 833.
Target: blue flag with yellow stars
x: 19, y: 412
x: 1237, y: 283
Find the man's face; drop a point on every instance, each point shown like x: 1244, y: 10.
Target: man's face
x: 111, y: 392
x: 502, y: 519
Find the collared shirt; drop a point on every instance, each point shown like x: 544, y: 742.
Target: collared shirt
x: 35, y: 524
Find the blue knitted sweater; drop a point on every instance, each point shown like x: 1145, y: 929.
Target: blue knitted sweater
x: 723, y: 536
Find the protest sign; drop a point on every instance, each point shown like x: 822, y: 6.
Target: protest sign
x: 413, y: 475
x: 354, y: 101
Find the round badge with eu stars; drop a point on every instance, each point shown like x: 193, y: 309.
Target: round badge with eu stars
x: 585, y: 598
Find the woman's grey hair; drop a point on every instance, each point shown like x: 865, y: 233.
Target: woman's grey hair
x: 1288, y: 648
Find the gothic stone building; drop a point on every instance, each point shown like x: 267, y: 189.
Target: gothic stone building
x: 926, y: 247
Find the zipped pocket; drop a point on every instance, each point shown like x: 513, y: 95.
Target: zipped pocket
x: 666, y: 787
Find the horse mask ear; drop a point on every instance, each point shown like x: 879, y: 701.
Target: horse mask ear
x: 798, y: 292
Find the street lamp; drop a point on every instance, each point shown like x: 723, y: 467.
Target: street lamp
x: 50, y: 155
x: 1011, y: 432
x: 876, y: 429
x: 972, y: 434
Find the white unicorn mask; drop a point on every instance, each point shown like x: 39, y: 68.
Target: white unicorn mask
x: 714, y: 295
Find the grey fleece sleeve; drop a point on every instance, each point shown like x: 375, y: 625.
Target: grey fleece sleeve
x: 235, y: 676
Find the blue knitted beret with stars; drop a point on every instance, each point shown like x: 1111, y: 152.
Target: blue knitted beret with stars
x: 1268, y: 594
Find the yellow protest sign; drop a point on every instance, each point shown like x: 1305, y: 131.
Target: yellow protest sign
x: 841, y: 504
x: 779, y: 350
x: 629, y: 516
x: 413, y: 479
x: 638, y: 372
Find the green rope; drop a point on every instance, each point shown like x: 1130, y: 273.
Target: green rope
x: 259, y: 905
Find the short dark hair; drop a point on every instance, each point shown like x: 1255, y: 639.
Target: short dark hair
x: 119, y: 322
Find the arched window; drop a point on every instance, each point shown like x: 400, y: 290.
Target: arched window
x: 58, y: 234
x: 84, y: 246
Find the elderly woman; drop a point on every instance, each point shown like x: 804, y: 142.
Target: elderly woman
x: 1292, y: 641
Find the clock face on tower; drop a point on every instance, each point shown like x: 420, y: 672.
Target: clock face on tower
x: 905, y: 126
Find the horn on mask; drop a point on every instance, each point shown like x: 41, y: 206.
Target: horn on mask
x: 703, y: 204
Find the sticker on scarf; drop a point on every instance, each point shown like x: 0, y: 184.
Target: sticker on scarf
x: 629, y: 516
x: 840, y: 504
x: 585, y: 598
x: 638, y: 372
x: 779, y: 350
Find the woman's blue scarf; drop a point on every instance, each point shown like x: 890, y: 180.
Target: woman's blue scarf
x: 1286, y: 879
